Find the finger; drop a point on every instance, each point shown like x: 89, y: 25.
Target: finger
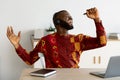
x: 87, y: 12
x: 19, y: 33
x: 91, y: 10
x: 95, y: 8
x: 8, y: 31
x: 11, y: 29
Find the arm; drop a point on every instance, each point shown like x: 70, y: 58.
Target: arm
x: 100, y: 40
x: 28, y: 57
x: 95, y: 42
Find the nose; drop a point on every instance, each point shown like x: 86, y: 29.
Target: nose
x: 70, y: 22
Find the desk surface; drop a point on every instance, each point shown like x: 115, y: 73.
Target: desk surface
x: 66, y: 74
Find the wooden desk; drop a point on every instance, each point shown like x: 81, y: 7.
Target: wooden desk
x: 66, y: 74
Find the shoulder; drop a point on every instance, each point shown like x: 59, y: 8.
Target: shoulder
x: 78, y: 37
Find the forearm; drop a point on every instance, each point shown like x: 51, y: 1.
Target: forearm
x: 28, y: 58
x: 97, y: 20
x: 101, y: 34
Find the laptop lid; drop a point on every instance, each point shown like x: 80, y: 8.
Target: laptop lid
x: 113, y: 68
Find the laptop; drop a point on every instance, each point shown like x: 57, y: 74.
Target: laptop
x: 113, y: 68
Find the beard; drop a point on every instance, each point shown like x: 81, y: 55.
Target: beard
x: 65, y: 25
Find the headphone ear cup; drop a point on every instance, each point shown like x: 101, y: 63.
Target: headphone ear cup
x: 57, y: 21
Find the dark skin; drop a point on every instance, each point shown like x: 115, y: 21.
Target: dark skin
x: 65, y: 16
x: 91, y: 13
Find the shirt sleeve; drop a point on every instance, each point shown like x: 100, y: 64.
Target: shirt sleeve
x: 95, y: 42
x: 32, y: 56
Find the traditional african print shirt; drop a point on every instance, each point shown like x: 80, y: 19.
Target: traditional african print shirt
x: 63, y: 51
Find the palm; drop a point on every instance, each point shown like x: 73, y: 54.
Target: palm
x: 14, y: 39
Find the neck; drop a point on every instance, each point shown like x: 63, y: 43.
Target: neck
x: 62, y: 31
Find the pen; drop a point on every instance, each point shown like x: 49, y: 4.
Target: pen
x: 84, y: 13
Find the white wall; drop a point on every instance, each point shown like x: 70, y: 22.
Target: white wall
x: 27, y: 15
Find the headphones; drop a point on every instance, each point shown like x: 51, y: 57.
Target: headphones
x: 57, y: 21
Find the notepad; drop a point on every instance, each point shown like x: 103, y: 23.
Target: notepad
x: 43, y: 72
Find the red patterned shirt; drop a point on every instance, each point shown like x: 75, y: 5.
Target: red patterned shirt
x: 63, y: 51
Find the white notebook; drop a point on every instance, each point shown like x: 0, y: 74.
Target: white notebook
x: 43, y: 72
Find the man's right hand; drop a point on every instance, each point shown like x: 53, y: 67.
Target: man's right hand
x: 14, y: 39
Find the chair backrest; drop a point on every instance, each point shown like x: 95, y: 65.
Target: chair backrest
x: 41, y: 62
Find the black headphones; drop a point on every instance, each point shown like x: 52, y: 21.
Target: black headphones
x: 57, y: 21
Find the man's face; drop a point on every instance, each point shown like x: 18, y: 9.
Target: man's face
x: 66, y: 20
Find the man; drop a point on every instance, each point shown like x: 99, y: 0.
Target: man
x: 62, y: 50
